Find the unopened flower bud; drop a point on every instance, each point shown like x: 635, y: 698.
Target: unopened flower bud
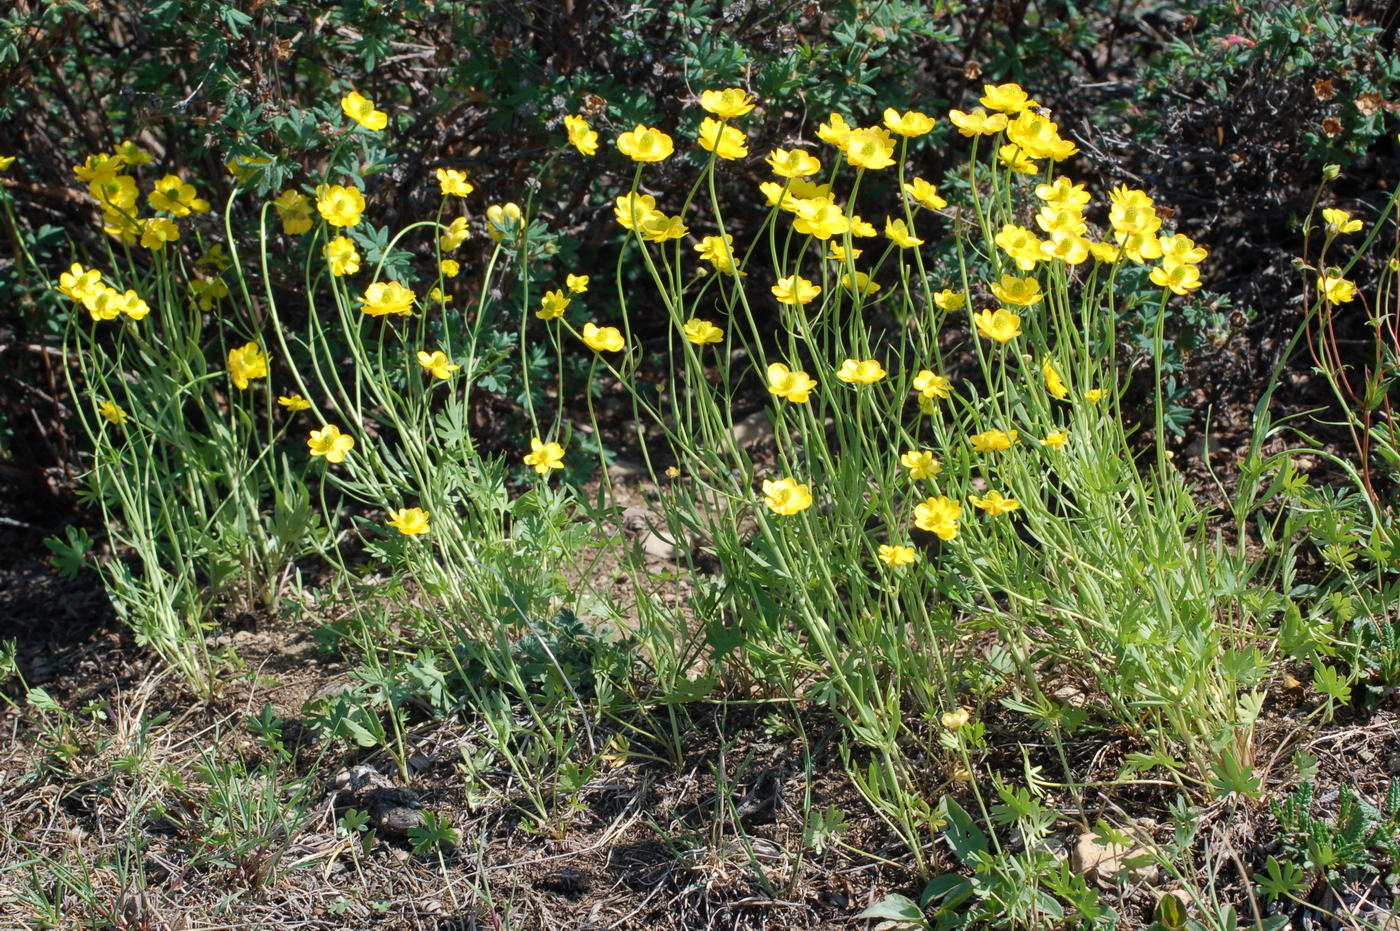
x: 1331, y: 171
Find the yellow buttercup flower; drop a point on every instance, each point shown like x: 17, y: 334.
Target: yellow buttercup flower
x: 938, y: 515
x: 897, y: 556
x: 552, y: 305
x: 932, y: 385
x: 176, y: 197
x: 898, y: 233
x: 339, y: 205
x: 728, y: 103
x: 1339, y: 221
x: 1017, y: 159
x: 701, y: 332
x: 577, y: 284
x: 1053, y: 382
x: 1056, y: 440
x: 955, y: 720
x: 632, y: 210
x: 157, y: 231
x: 859, y: 283
x: 409, y: 521
x: 1178, y: 279
x: 994, y: 504
x: 1007, y: 98
x: 977, y: 123
x: 1038, y: 137
x: 294, y: 209
x: 581, y: 136
x: 1179, y: 249
x: 602, y: 339
x: 660, y: 228
x: 246, y: 363
x: 719, y: 252
x: 99, y: 168
x: 450, y: 268
x: 361, y: 109
x: 861, y: 371
x: 909, y: 124
x: 103, y: 303
x: 294, y: 402
x: 544, y: 457
x: 871, y: 148
x: 795, y: 290
x: 1063, y: 194
x: 820, y: 217
x: 454, y: 234
x: 1336, y: 289
x: 78, y: 282
x: 921, y: 464
x: 437, y: 363
x: 342, y: 256
x: 1094, y: 395
x: 436, y: 296
x: 786, y: 496
x: 837, y: 252
x: 112, y: 412
x: 645, y: 144
x: 835, y: 131
x: 454, y: 183
x: 330, y: 443
x: 1020, y: 244
x: 924, y: 194
x: 387, y: 297
x: 793, y: 385
x: 1067, y: 247
x: 503, y: 220
x: 793, y: 163
x: 727, y: 142
x: 1001, y: 325
x: 950, y: 300
x: 993, y: 441
x: 1021, y: 292
x: 132, y: 305
x: 6, y: 161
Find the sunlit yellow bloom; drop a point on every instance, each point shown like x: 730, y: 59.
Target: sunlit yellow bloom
x: 99, y: 168
x: 1336, y: 289
x: 1339, y: 221
x: 1007, y: 98
x: 342, y: 256
x: 718, y: 251
x: 1140, y: 247
x: 361, y: 109
x: 577, y: 284
x: 950, y: 300
x: 820, y: 217
x: 1017, y: 159
x: 294, y: 402
x: 725, y: 141
x: 131, y: 153
x: 861, y: 228
x: 1053, y: 382
x: 294, y: 209
x: 552, y: 305
x: 932, y: 385
x: 134, y: 307
x: 450, y: 268
x: 119, y: 194
x: 112, y: 412
x: 245, y: 168
x: 103, y: 303
x: 793, y: 385
x: 5, y: 162
x: 728, y: 103
x: 1066, y: 247
x: 938, y: 515
x: 993, y: 441
x: 176, y: 197
x: 861, y: 371
x: 409, y: 521
x: 701, y: 332
x: 1020, y: 292
x: 909, y: 124
x: 793, y: 163
x: 977, y: 123
x: 994, y: 504
x: 1001, y: 325
x: 790, y: 198
x: 339, y: 205
x: 1053, y: 219
x: 660, y: 228
x: 837, y: 252
x: 645, y: 144
x: 1094, y: 395
x: 897, y: 556
x: 795, y: 290
x: 1105, y: 252
x: 246, y: 363
x: 157, y: 231
x: 871, y: 147
x: 330, y: 442
x: 1063, y: 194
x: 503, y: 220
x: 123, y: 226
x: 543, y: 457
x: 899, y: 234
x: 1039, y: 137
x: 437, y: 363
x: 387, y: 297
x: 78, y: 282
x: 924, y: 194
x: 1179, y: 279
x: 1056, y: 440
x: 633, y: 210
x: 454, y: 183
x: 921, y: 464
x: 1131, y: 212
x: 436, y: 296
x: 1021, y: 245
x: 835, y: 131
x: 581, y: 136
x: 1181, y: 250
x: 859, y: 283
x: 602, y: 339
x: 454, y: 234
x: 786, y: 496
x: 955, y: 720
